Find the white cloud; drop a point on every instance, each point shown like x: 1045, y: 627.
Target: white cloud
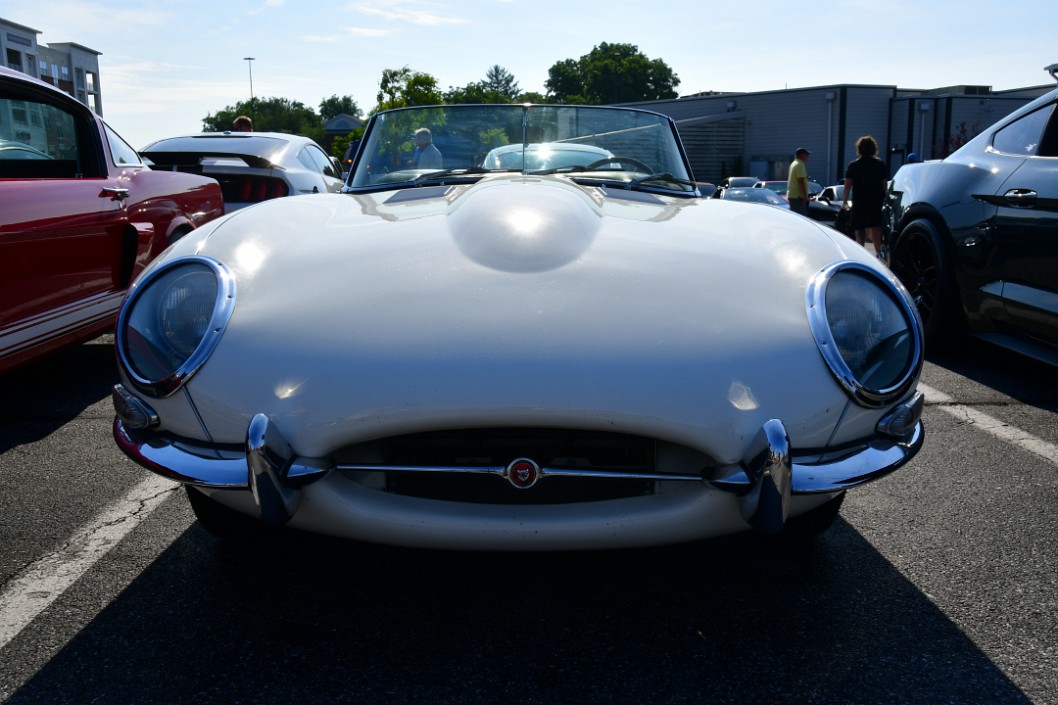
x: 409, y: 12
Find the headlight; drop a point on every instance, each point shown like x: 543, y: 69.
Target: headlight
x: 172, y: 320
x: 867, y: 330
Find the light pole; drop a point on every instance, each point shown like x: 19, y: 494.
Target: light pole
x: 249, y: 65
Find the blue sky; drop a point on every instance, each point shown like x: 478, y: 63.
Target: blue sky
x: 166, y: 65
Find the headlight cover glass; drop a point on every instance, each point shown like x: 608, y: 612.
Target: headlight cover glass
x: 867, y: 330
x: 172, y: 320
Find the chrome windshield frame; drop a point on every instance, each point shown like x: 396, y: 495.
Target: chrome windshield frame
x: 387, y: 157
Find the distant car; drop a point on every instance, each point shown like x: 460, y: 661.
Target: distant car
x: 779, y: 187
x: 832, y: 194
x: 553, y: 155
x: 974, y: 237
x: 830, y: 197
x: 581, y: 355
x: 737, y: 182
x: 754, y: 195
x: 250, y: 166
x: 706, y: 188
x: 80, y: 216
x: 822, y: 211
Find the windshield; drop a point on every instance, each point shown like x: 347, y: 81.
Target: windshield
x: 606, y: 145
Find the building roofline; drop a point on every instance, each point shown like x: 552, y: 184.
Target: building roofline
x: 19, y: 26
x: 75, y: 45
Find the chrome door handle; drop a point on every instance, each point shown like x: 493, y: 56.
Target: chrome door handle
x: 1021, y: 197
x: 115, y: 194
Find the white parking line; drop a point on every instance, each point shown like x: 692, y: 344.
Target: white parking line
x: 984, y: 422
x: 41, y: 583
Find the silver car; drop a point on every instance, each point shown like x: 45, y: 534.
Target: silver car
x: 250, y: 166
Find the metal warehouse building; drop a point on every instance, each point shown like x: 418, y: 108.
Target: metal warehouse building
x: 755, y: 134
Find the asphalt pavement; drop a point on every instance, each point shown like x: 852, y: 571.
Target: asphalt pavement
x: 939, y: 584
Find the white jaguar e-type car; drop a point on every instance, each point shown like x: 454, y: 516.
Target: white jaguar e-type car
x: 579, y: 356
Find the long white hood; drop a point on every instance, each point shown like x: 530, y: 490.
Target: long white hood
x: 518, y: 301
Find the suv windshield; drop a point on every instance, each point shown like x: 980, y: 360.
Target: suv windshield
x: 412, y: 146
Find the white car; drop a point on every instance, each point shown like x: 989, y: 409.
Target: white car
x: 477, y: 359
x: 552, y: 155
x: 250, y: 166
x: 832, y: 194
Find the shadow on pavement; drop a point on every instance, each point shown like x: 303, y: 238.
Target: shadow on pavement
x: 1022, y: 378
x: 48, y: 393
x: 314, y: 620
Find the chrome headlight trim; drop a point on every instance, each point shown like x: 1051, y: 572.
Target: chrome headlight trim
x: 819, y: 322
x: 223, y: 305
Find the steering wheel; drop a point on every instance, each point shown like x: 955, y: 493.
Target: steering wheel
x: 622, y: 161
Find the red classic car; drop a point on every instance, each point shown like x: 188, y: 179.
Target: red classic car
x: 80, y: 216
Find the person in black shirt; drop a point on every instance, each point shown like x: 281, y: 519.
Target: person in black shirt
x: 866, y: 181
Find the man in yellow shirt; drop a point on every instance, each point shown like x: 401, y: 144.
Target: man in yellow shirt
x: 797, y: 182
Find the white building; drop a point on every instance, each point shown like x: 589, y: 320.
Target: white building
x: 71, y: 67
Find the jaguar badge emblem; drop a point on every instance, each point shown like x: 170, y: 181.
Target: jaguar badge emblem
x: 522, y: 473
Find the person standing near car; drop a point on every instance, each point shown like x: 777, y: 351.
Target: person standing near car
x: 797, y: 182
x: 866, y: 181
x: 426, y: 156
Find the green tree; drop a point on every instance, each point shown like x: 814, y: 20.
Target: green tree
x: 500, y: 80
x: 474, y: 93
x: 401, y: 88
x: 269, y: 115
x: 499, y: 86
x: 565, y: 82
x: 532, y: 97
x: 334, y: 106
x: 341, y: 142
x: 611, y: 73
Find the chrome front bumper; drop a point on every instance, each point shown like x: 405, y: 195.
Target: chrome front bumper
x: 763, y: 482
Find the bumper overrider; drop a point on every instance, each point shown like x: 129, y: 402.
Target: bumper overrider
x: 763, y: 482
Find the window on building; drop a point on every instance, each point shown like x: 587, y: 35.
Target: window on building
x: 18, y: 112
x: 14, y: 59
x: 90, y: 78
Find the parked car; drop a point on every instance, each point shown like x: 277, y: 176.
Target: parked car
x: 754, y: 195
x: 706, y: 189
x: 549, y: 155
x: 737, y: 182
x: 822, y: 211
x: 779, y: 187
x: 832, y: 194
x: 974, y: 237
x: 831, y: 197
x: 80, y: 216
x: 537, y: 359
x: 251, y: 166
